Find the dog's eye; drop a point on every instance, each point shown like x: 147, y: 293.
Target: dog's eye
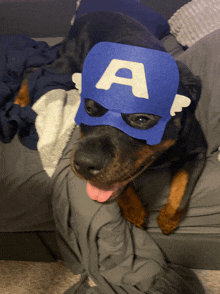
x: 141, y: 121
x: 94, y: 109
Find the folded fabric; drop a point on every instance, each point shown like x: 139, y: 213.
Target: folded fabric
x: 17, y: 54
x: 56, y: 111
x: 96, y: 239
x: 195, y: 20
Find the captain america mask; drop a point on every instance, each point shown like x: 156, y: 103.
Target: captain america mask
x: 128, y: 80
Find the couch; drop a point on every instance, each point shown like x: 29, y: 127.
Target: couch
x: 27, y: 227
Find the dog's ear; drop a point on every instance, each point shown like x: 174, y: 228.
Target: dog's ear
x: 190, y: 85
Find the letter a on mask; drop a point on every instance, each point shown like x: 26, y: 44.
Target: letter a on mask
x: 137, y: 82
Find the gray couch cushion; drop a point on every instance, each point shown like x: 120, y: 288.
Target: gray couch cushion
x: 25, y: 190
x: 203, y: 60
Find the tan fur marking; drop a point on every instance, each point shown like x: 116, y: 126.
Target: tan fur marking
x: 149, y: 151
x: 22, y: 98
x: 80, y: 133
x: 132, y: 208
x: 170, y: 215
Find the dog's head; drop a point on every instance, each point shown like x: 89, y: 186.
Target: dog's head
x: 121, y: 137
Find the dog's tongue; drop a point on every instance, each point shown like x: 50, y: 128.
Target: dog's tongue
x: 100, y: 195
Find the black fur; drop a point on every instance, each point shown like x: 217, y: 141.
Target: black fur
x: 105, y: 155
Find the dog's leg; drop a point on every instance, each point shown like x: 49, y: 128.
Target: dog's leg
x: 182, y: 186
x: 22, y: 98
x: 132, y: 208
x: 170, y: 215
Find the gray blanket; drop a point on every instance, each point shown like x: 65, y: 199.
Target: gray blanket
x: 97, y: 241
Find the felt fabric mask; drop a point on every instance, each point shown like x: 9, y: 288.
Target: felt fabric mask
x: 127, y: 79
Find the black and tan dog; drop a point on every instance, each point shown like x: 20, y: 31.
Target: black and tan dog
x: 108, y: 158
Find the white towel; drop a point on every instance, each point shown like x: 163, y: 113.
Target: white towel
x: 55, y: 122
x: 195, y: 20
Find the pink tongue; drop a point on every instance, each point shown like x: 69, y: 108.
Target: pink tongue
x: 99, y: 195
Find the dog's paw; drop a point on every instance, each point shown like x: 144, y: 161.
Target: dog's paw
x: 132, y: 208
x: 168, y: 219
x: 135, y: 216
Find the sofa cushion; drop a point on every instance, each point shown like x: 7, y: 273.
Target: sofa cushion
x: 25, y: 190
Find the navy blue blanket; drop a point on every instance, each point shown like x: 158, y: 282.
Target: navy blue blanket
x: 18, y: 53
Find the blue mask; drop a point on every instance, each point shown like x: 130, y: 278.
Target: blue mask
x: 129, y: 79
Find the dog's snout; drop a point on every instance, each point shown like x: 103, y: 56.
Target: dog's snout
x: 86, y: 165
x: 91, y: 158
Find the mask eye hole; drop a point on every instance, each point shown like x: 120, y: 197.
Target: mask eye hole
x: 94, y: 109
x: 141, y: 121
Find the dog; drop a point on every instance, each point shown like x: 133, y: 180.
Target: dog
x: 108, y: 158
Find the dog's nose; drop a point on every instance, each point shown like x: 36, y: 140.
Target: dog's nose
x: 92, y: 155
x: 89, y: 164
x: 86, y: 167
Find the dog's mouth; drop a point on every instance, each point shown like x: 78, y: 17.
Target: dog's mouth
x: 107, y: 186
x: 110, y: 194
x: 105, y: 195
